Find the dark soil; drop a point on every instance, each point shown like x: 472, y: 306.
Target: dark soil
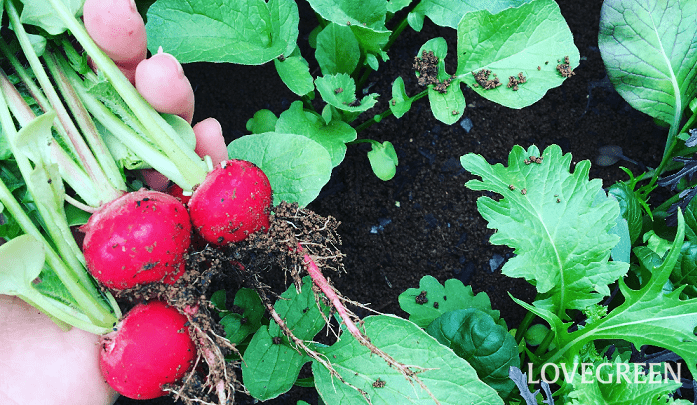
x: 425, y: 221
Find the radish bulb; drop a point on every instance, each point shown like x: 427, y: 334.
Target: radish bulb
x: 150, y: 347
x: 233, y: 202
x: 139, y: 238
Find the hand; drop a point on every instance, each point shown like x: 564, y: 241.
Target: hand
x: 118, y: 29
x: 40, y: 364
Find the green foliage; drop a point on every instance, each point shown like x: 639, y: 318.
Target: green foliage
x: 448, y: 377
x: 650, y: 54
x: 245, y: 318
x: 508, y: 37
x: 383, y: 160
x: 249, y: 32
x: 433, y: 299
x: 516, y: 41
x: 271, y: 364
x: 487, y: 346
x: 550, y: 217
x: 634, y: 388
x: 297, y: 166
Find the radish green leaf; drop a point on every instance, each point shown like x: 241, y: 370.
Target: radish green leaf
x: 650, y: 54
x: 249, y: 32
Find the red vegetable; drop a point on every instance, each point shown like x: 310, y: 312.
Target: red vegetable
x: 161, y: 81
x: 232, y: 202
x: 139, y: 238
x: 150, y: 347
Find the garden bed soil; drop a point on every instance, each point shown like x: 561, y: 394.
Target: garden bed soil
x: 424, y: 221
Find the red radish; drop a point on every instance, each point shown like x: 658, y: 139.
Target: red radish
x: 233, y: 201
x: 118, y: 29
x: 139, y: 238
x: 150, y: 347
x: 177, y: 192
x: 162, y: 83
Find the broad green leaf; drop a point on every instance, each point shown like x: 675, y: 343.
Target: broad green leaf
x: 332, y: 136
x: 515, y: 41
x: 297, y: 166
x: 395, y: 5
x: 41, y: 14
x: 487, y: 346
x: 22, y: 259
x: 400, y: 102
x: 366, y: 19
x: 383, y: 160
x: 435, y: 299
x: 269, y: 369
x: 548, y: 215
x: 630, y: 208
x: 245, y: 318
x: 650, y: 53
x: 447, y: 13
x: 648, y: 316
x: 248, y: 32
x: 300, y: 312
x: 612, y: 388
x: 295, y: 73
x: 337, y: 50
x: 449, y: 378
x: 33, y: 139
x: 340, y: 91
x: 449, y: 105
x: 263, y: 121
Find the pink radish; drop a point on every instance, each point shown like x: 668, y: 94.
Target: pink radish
x: 118, y: 29
x: 139, y: 238
x: 162, y: 83
x: 150, y: 347
x: 233, y: 201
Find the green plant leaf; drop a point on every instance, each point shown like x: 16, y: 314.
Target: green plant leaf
x: 448, y: 377
x: 648, y: 316
x: 269, y: 369
x: 248, y: 32
x: 395, y: 5
x: 366, y: 19
x: 650, y: 54
x: 449, y: 105
x: 400, y: 102
x: 332, y: 136
x: 41, y: 14
x: 245, y: 319
x: 263, y: 121
x: 383, y: 160
x: 630, y: 208
x: 337, y: 50
x: 447, y: 13
x: 297, y: 166
x: 295, y: 73
x: 549, y: 217
x: 515, y: 41
x: 487, y: 346
x: 340, y: 91
x: 435, y: 299
x: 22, y: 259
x: 636, y: 388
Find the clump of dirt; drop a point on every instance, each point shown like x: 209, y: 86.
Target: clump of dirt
x: 427, y: 68
x: 482, y: 79
x: 564, y: 69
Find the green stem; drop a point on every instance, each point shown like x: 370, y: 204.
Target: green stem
x: 379, y: 117
x: 191, y: 166
x: 542, y: 348
x: 523, y: 327
x: 89, y: 131
x: 84, y: 154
